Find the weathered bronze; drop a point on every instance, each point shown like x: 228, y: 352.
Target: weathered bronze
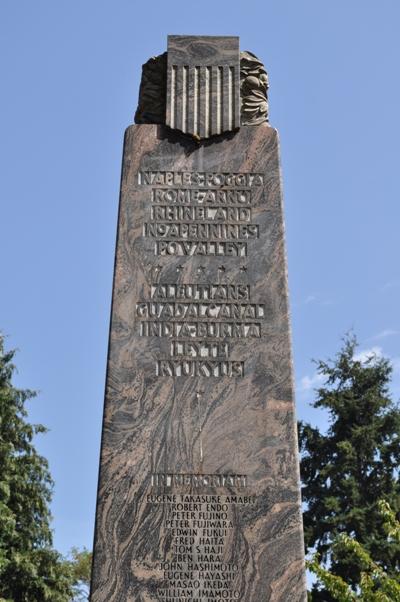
x: 153, y: 91
x: 152, y: 104
x: 253, y: 90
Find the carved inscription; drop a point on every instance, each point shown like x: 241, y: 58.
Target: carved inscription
x: 195, y: 213
x: 167, y: 480
x: 198, y: 319
x: 199, y: 565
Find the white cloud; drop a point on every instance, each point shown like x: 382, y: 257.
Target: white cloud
x: 377, y: 352
x: 366, y: 354
x: 307, y: 383
x: 396, y: 364
x: 388, y: 332
x: 390, y: 285
x: 317, y: 298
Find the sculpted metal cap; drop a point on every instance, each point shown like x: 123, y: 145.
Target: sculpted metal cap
x: 203, y: 84
x: 203, y: 87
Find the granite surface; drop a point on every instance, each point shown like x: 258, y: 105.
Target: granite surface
x: 198, y: 494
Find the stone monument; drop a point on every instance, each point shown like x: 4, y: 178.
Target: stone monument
x: 199, y: 497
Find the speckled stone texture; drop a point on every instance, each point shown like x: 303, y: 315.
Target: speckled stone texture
x: 198, y: 494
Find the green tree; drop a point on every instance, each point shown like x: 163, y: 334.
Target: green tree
x: 375, y: 585
x: 30, y: 569
x: 81, y: 565
x: 347, y: 469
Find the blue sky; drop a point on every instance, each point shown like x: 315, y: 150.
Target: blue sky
x: 70, y: 78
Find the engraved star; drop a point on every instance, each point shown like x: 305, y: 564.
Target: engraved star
x: 199, y: 393
x: 243, y: 268
x: 157, y: 269
x: 222, y: 268
x: 201, y: 269
x: 179, y: 269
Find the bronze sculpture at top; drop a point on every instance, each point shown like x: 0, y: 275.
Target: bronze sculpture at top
x: 199, y: 496
x: 203, y: 86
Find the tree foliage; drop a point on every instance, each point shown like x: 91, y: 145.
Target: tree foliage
x: 81, y: 567
x: 375, y: 585
x: 30, y: 569
x: 347, y: 469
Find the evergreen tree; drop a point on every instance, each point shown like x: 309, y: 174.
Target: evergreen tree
x: 81, y: 565
x: 375, y: 585
x: 30, y: 569
x: 346, y: 470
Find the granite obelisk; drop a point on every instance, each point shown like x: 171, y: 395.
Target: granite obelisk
x: 199, y: 497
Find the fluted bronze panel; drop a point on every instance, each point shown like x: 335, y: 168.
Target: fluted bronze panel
x: 203, y: 85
